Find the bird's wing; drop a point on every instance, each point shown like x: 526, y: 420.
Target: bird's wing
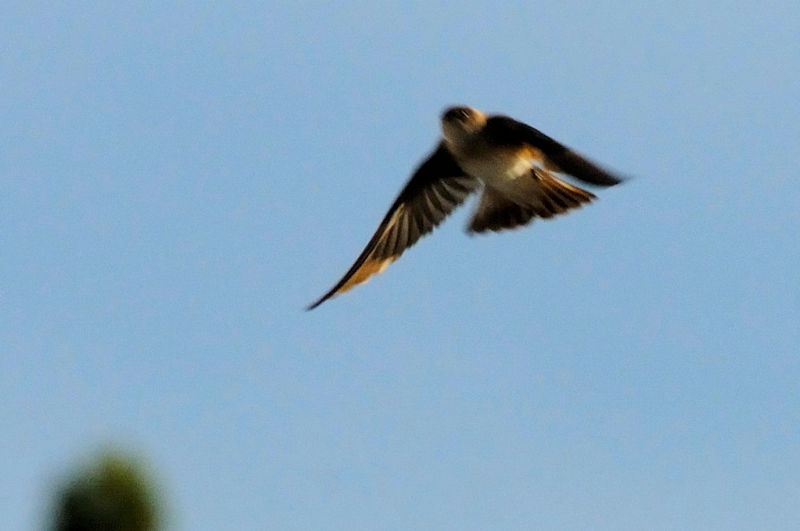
x: 437, y: 187
x: 505, y: 131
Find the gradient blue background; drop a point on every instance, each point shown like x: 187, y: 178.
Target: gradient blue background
x: 179, y: 181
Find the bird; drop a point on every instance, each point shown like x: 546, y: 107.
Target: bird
x: 511, y: 164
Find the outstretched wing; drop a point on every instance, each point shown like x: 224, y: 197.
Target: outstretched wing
x: 505, y: 131
x: 437, y: 187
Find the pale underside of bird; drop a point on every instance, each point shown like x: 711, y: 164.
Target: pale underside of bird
x: 510, y: 163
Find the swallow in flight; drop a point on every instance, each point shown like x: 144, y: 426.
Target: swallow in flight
x: 511, y: 162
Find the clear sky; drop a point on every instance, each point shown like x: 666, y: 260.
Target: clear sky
x: 178, y: 181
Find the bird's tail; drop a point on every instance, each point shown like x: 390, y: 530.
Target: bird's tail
x: 544, y: 196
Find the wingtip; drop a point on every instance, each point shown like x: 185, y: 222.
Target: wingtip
x: 618, y: 179
x: 614, y: 181
x: 332, y: 293
x: 602, y: 177
x: 316, y: 303
x: 576, y: 165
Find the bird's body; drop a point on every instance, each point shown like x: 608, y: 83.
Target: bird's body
x: 512, y: 162
x: 500, y: 169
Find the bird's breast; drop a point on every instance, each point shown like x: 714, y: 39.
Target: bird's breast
x: 498, y: 167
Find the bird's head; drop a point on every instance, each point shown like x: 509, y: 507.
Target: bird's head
x: 460, y: 122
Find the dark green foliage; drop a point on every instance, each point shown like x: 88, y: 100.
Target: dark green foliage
x: 110, y: 495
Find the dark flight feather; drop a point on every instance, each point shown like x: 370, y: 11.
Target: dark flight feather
x: 437, y: 187
x: 505, y: 131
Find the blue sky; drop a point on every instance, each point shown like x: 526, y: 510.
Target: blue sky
x: 178, y: 181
